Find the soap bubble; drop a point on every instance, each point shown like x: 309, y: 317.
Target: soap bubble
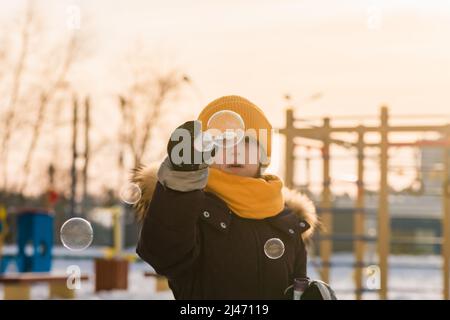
x: 274, y: 248
x: 130, y: 193
x: 226, y: 128
x: 76, y: 234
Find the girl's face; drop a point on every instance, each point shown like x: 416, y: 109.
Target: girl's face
x: 241, y: 160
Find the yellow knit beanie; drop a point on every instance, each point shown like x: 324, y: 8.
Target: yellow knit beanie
x: 253, y: 117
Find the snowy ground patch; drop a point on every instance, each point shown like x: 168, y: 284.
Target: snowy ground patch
x: 410, y: 277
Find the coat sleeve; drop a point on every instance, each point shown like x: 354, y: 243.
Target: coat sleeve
x: 299, y: 267
x: 300, y: 260
x: 169, y: 239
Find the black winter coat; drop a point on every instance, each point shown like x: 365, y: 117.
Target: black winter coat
x: 208, y: 252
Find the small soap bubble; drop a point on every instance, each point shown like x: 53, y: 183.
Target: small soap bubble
x: 274, y: 248
x: 130, y: 193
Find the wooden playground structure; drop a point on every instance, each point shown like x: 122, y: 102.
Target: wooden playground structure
x: 324, y: 135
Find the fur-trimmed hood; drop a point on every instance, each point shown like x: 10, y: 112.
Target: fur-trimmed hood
x: 146, y: 178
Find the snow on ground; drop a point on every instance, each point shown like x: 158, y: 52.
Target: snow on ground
x: 410, y: 277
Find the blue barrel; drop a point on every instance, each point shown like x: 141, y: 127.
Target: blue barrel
x: 34, y: 241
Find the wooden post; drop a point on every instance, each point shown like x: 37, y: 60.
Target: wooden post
x: 117, y: 228
x: 3, y: 228
x: 87, y: 126
x: 73, y: 171
x: 289, y: 150
x: 308, y: 168
x: 383, y: 208
x: 446, y: 219
x: 326, y: 245
x: 358, y: 217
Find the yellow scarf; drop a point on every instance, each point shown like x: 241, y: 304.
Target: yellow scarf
x: 251, y: 198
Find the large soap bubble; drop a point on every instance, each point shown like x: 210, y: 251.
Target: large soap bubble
x: 76, y: 234
x: 226, y: 128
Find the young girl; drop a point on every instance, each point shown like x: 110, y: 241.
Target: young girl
x: 224, y: 231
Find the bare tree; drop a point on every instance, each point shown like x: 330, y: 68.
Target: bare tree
x: 36, y: 77
x: 19, y: 69
x: 58, y: 84
x: 142, y: 105
x: 4, y: 43
x: 39, y: 76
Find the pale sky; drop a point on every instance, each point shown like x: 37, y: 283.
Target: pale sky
x: 359, y: 53
x: 264, y: 49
